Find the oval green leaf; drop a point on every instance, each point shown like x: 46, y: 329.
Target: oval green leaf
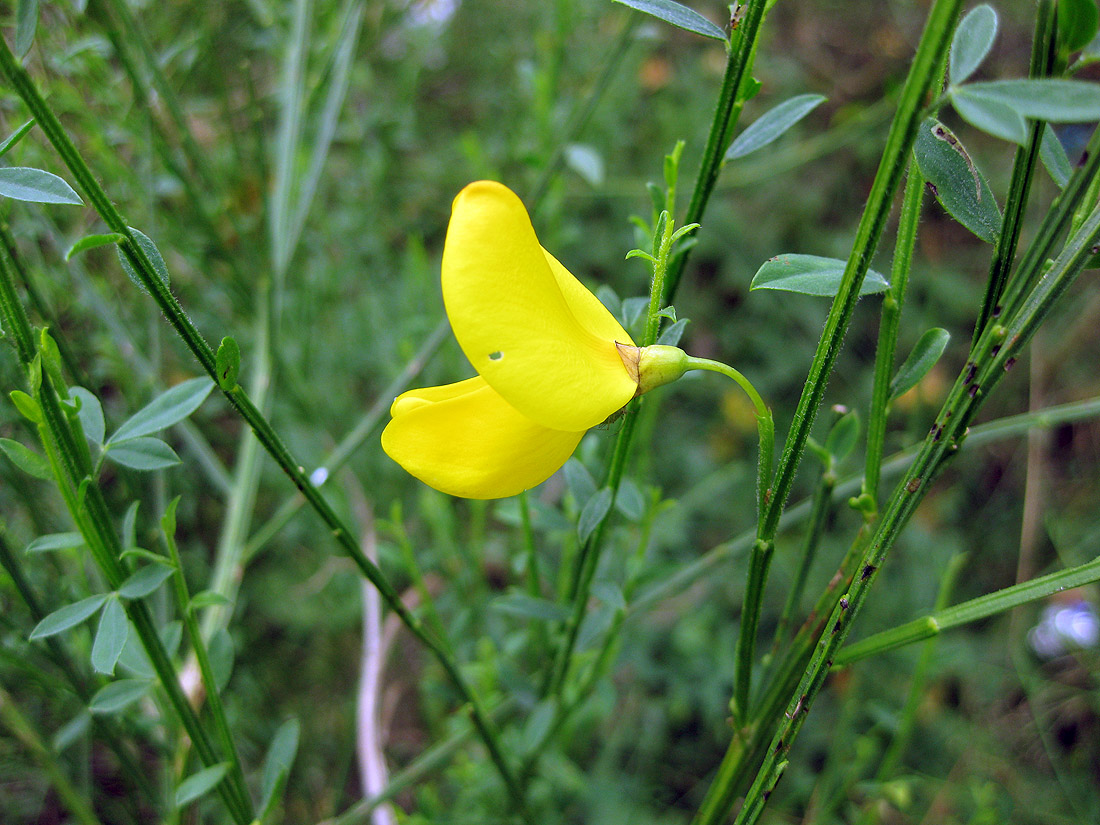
x: 923, y: 357
x: 26, y: 459
x: 160, y: 269
x: 200, y: 784
x: 991, y: 116
x: 679, y: 16
x: 144, y: 581
x: 167, y: 409
x: 593, y: 513
x: 957, y: 183
x: 110, y: 637
x: 23, y: 183
x: 1053, y: 99
x: 972, y: 42
x: 68, y: 616
x: 92, y: 241
x: 227, y: 363
x: 811, y: 275
x: 1077, y: 24
x: 1053, y: 155
x: 843, y: 436
x: 145, y: 453
x: 11, y: 140
x: 772, y: 124
x: 119, y: 694
x: 277, y: 763
x: 27, y: 406
x: 55, y: 541
x: 530, y: 607
x: 90, y: 414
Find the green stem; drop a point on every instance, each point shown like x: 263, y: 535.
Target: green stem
x: 198, y: 647
x: 726, y: 113
x: 179, y: 320
x: 888, y: 328
x: 762, y: 549
x: 945, y: 618
x: 1043, y: 53
x: 819, y: 514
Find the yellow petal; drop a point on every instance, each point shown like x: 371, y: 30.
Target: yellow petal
x: 465, y: 440
x: 540, y: 339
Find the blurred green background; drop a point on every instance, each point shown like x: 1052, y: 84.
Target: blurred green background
x: 442, y: 93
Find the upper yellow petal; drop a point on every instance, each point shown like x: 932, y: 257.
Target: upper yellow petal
x: 465, y: 440
x: 540, y: 339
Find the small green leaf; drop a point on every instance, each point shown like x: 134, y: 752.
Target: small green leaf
x: 1053, y: 155
x: 1077, y: 24
x: 993, y: 117
x: 670, y: 336
x: 632, y: 310
x: 207, y: 598
x: 129, y: 527
x: 277, y: 763
x: 27, y: 406
x: 586, y: 162
x: 679, y: 16
x: 145, y: 453
x: 92, y: 241
x: 530, y: 607
x: 167, y: 409
x: 11, y: 140
x: 227, y: 363
x: 956, y: 182
x: 629, y: 500
x: 843, y: 436
x: 811, y: 275
x: 972, y: 42
x: 923, y: 357
x: 144, y: 581
x: 22, y: 183
x: 68, y: 616
x: 151, y: 252
x: 110, y: 637
x: 26, y: 21
x: 222, y: 655
x: 90, y: 414
x: 593, y: 513
x: 56, y: 541
x: 579, y: 481
x: 26, y: 459
x: 116, y: 695
x: 610, y: 594
x: 71, y: 731
x: 200, y: 784
x: 772, y: 124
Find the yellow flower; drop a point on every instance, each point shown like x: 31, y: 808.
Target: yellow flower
x: 544, y: 348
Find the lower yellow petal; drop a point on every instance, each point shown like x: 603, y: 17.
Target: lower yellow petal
x: 465, y: 440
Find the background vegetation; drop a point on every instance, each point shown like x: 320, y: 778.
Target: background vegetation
x: 295, y: 165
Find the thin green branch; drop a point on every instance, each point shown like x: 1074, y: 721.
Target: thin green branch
x: 1043, y: 55
x: 889, y: 324
x: 971, y: 611
x: 738, y: 67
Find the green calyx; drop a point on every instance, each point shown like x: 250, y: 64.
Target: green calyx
x: 653, y: 366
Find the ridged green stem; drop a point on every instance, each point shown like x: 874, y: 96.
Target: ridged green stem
x: 739, y: 64
x: 1043, y: 51
x: 889, y: 324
